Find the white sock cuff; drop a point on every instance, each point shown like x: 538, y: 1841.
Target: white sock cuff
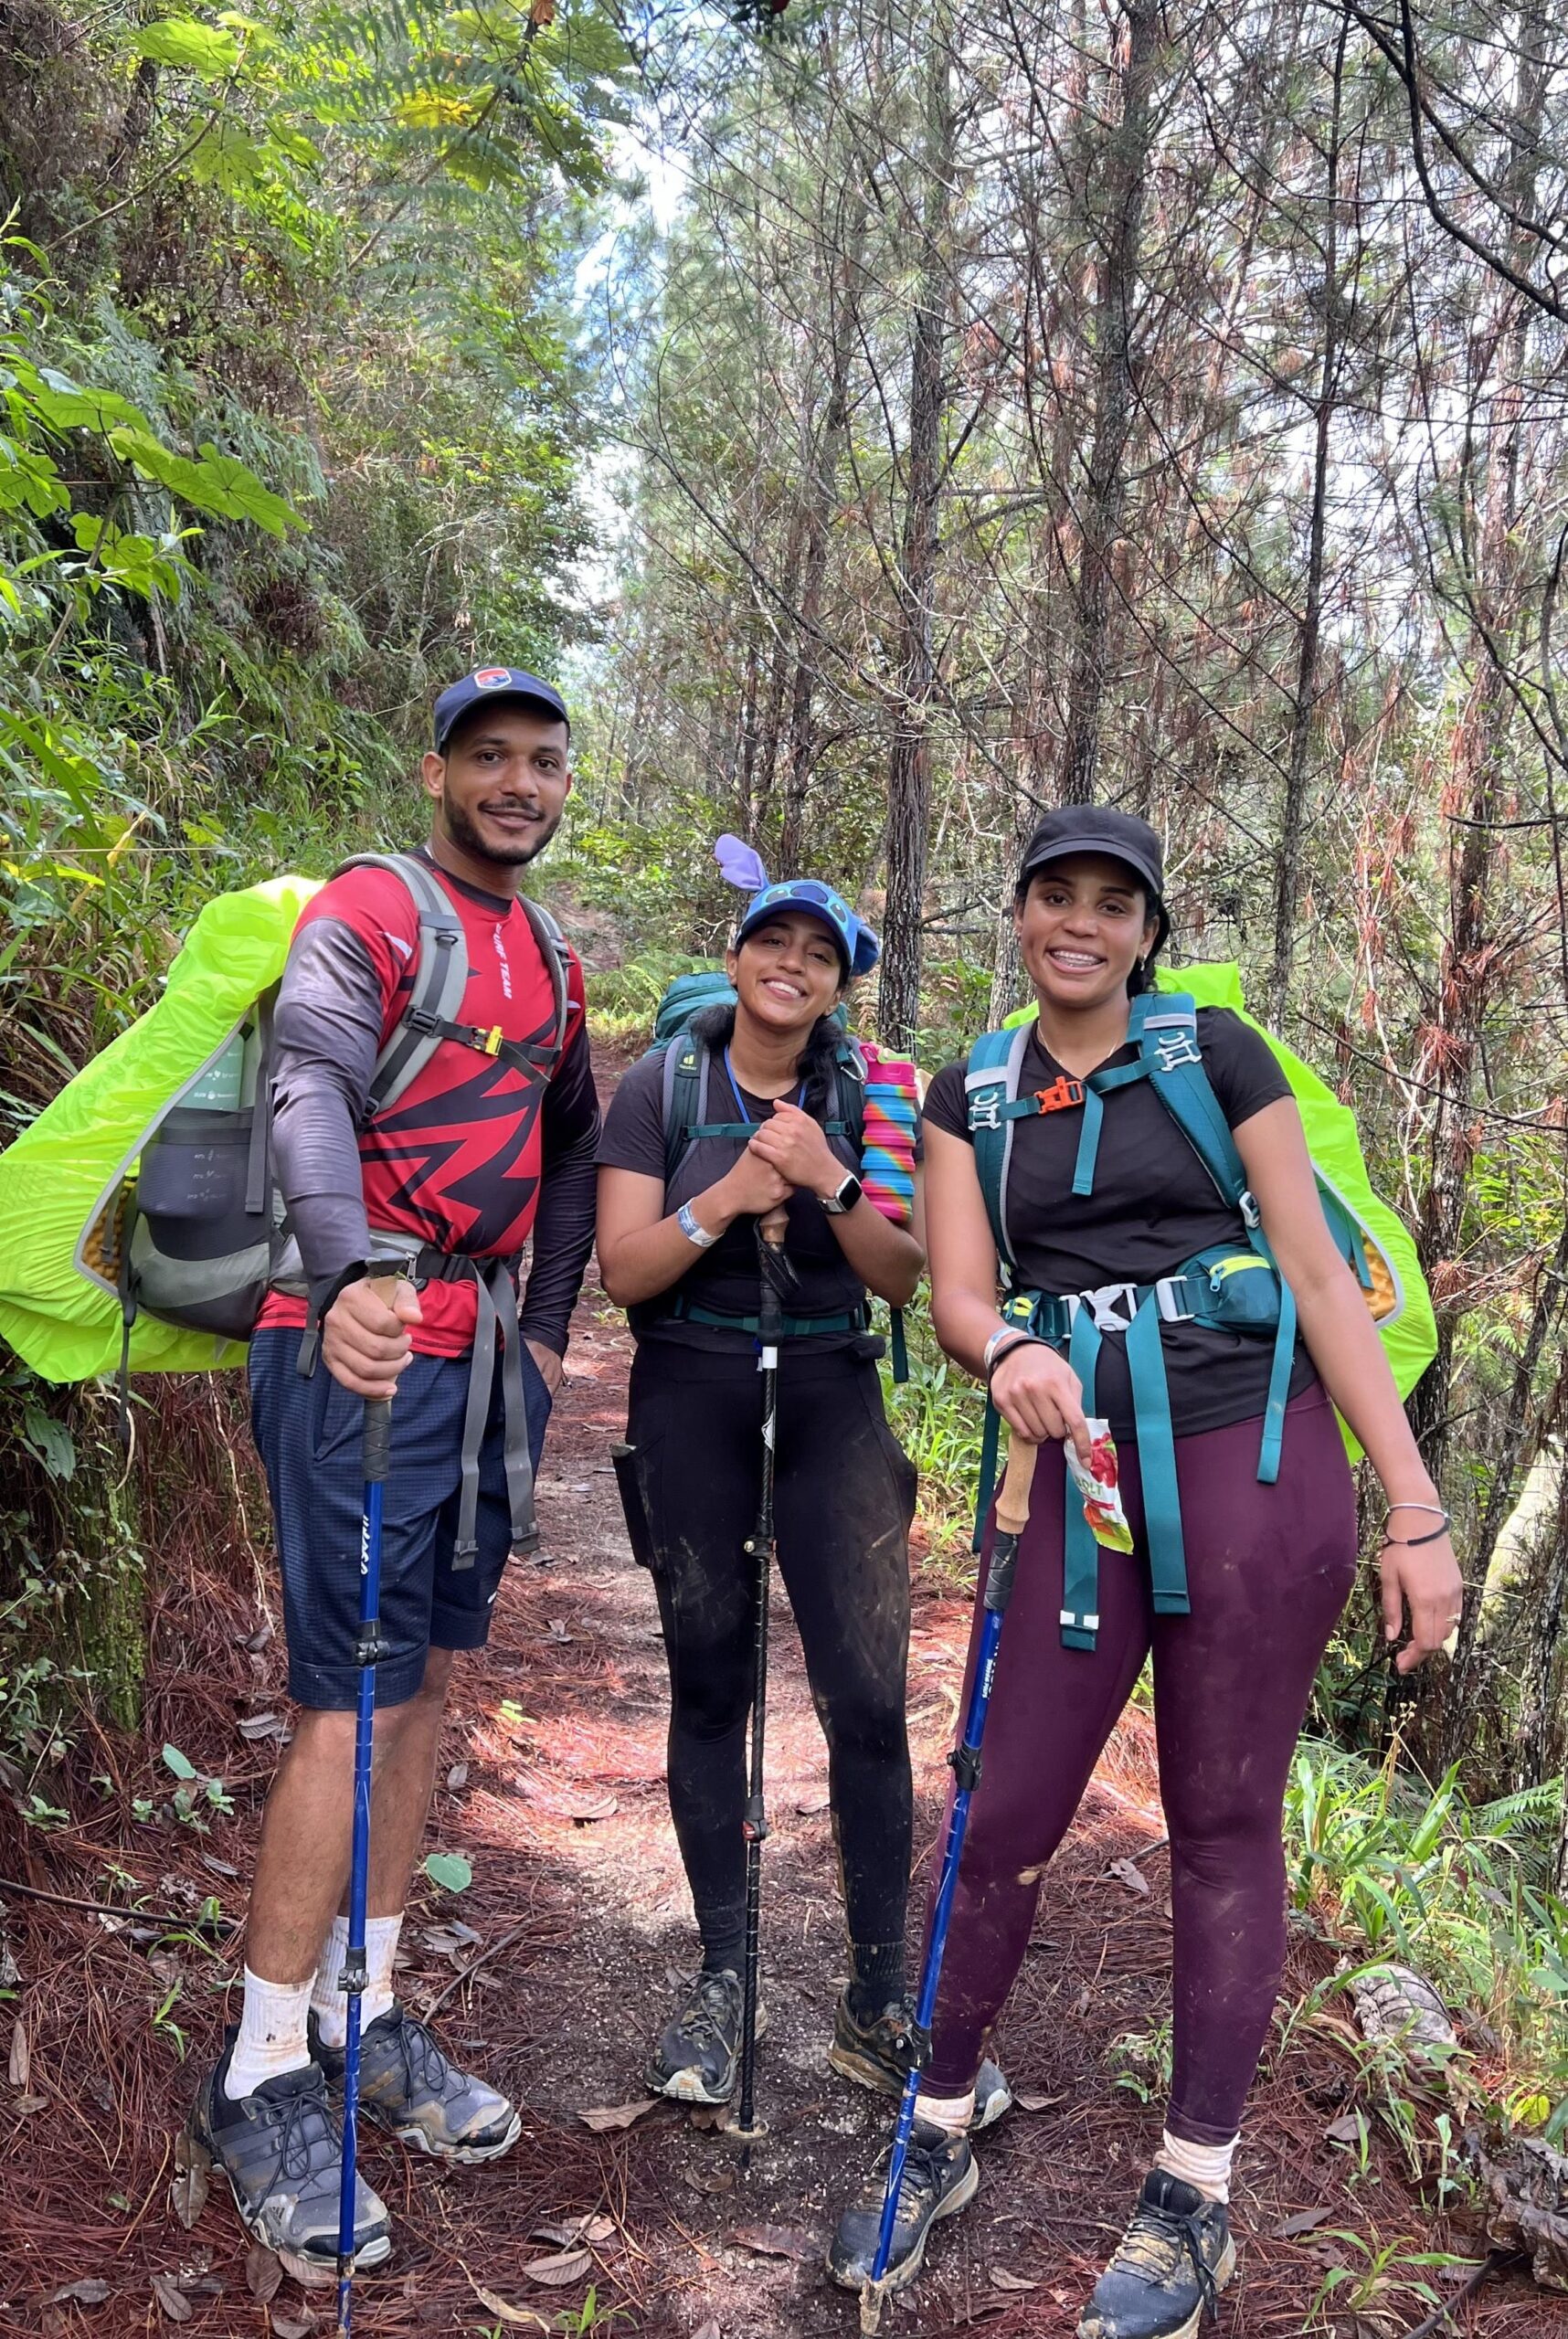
x: 273, y: 2037
x: 1205, y: 2166
x: 953, y: 2112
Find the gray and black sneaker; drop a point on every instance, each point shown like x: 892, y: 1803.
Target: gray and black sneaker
x: 876, y: 2054
x: 698, y: 2052
x: 1169, y: 2268
x: 408, y: 2087
x: 281, y: 2151
x: 939, y: 2179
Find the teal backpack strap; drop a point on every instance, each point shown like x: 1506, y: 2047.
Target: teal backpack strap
x: 1164, y: 1025
x: 1157, y: 1463
x: 1095, y: 1087
x: 1278, y: 1387
x: 991, y: 1085
x: 684, y: 1097
x: 1081, y: 1554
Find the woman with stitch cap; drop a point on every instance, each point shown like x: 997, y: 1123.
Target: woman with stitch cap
x: 774, y: 1091
x: 1074, y: 1155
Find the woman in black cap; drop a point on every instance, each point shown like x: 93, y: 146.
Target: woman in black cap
x: 770, y: 1132
x: 1148, y: 1289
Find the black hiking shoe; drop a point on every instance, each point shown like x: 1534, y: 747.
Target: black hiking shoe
x: 876, y: 2054
x: 408, y: 2087
x: 1169, y: 2268
x: 939, y: 2179
x: 698, y: 2052
x: 281, y: 2151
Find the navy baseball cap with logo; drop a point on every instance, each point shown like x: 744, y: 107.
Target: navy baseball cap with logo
x: 494, y: 681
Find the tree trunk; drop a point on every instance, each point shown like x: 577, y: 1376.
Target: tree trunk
x: 1126, y: 175
x: 908, y: 767
x: 801, y: 750
x: 1288, y: 863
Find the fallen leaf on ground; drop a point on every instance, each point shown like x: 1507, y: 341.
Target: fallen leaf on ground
x: 289, y: 2326
x: 558, y: 1631
x: 708, y: 2331
x: 810, y: 1805
x: 260, y: 1726
x: 710, y: 2116
x: 89, y: 2292
x: 566, y: 1802
x: 28, y: 2104
x: 587, y: 2229
x: 187, y: 2194
x: 218, y: 1868
x: 605, y: 2117
x: 1029, y: 2098
x: 457, y: 1777
x: 567, y: 2265
x: 263, y: 2272
x: 1304, y: 2221
x: 502, y: 2308
x: 21, y: 2056
x: 777, y: 2241
x: 1001, y: 2279
x: 1128, y: 1873
x: 449, y: 1870
x: 1346, y: 2130
x: 172, y: 2299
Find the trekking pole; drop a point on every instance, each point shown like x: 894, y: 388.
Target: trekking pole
x: 369, y: 1649
x: 1012, y: 1515
x: 760, y: 1546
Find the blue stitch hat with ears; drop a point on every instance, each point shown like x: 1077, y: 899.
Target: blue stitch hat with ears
x: 858, y: 946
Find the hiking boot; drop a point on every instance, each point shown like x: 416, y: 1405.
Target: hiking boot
x: 281, y: 2151
x: 407, y: 2086
x: 1169, y: 2268
x: 698, y: 2052
x: 939, y: 2179
x: 876, y: 2055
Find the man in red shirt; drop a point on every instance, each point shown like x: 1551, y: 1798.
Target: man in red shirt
x: 490, y: 1144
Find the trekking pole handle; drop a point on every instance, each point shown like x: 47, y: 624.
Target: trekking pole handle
x: 378, y: 1410
x: 775, y: 1226
x: 1012, y: 1503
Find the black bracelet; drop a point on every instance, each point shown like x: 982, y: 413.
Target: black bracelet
x: 1414, y: 1542
x: 1019, y: 1340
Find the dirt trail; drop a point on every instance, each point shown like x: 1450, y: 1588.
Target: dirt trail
x: 572, y: 1935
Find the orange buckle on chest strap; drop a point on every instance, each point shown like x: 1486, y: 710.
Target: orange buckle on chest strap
x: 1062, y: 1093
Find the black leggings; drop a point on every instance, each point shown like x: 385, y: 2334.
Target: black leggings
x: 845, y: 1495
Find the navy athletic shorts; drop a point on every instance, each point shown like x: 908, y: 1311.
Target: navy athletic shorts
x: 310, y: 1434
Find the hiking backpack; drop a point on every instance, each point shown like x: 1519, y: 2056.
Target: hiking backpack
x: 1227, y: 1286
x: 875, y: 1107
x: 148, y: 1181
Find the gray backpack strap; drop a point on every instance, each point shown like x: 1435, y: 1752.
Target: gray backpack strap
x: 557, y: 957
x: 440, y: 978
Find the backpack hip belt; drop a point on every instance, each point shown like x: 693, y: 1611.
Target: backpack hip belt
x: 495, y: 1322
x: 1227, y: 1289
x: 793, y: 1327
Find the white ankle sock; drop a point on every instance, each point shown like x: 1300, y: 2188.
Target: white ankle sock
x: 271, y: 2035
x: 1205, y: 2166
x: 329, y: 2003
x: 953, y: 2112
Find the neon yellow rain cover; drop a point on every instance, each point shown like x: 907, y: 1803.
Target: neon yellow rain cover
x: 56, y: 1176
x: 1410, y: 1333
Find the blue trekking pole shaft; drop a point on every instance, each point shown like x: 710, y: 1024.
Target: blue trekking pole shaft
x: 1012, y: 1516
x: 368, y: 1650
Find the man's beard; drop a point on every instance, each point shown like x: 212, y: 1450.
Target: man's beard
x: 461, y: 830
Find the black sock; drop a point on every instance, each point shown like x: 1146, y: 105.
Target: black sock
x: 878, y: 1979
x: 724, y: 1952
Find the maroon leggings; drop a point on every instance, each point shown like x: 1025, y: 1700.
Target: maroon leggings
x: 1269, y: 1569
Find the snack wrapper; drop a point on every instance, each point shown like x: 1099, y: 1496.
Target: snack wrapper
x: 1100, y: 1489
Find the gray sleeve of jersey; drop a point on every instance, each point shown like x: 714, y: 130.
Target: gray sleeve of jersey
x: 326, y: 1036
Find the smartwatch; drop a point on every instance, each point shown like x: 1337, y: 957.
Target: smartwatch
x: 844, y: 1196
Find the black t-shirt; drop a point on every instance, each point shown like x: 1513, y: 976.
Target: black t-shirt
x: 726, y: 1279
x: 1154, y: 1206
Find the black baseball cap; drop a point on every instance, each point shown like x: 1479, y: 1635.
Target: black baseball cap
x: 494, y: 681
x: 1096, y: 828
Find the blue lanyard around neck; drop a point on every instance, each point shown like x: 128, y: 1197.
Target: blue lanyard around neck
x: 740, y: 1101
